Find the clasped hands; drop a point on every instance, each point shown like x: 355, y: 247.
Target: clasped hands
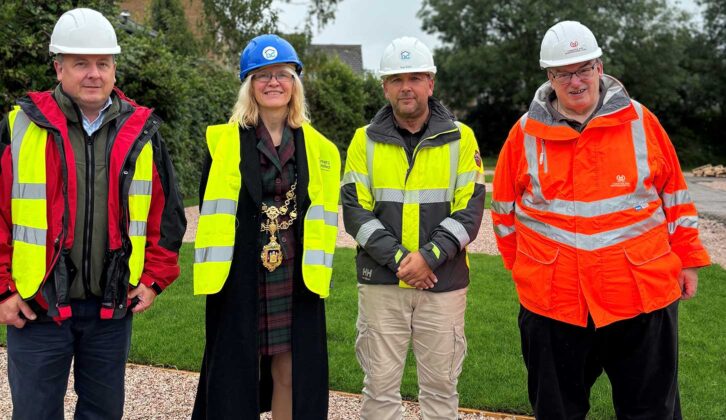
x: 415, y: 272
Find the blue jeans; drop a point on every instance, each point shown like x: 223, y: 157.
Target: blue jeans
x: 39, y: 362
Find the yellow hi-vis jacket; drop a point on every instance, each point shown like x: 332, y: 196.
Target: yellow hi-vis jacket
x: 214, y: 245
x: 431, y: 202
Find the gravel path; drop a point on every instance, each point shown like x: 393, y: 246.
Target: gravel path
x: 144, y: 383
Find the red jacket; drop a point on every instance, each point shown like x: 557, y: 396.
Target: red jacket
x: 161, y: 257
x: 595, y: 223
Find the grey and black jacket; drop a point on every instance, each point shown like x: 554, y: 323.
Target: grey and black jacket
x: 432, y: 201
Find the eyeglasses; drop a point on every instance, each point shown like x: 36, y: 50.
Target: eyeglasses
x: 266, y: 76
x: 565, y: 77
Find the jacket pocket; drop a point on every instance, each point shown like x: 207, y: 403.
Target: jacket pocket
x: 459, y: 353
x: 655, y: 269
x: 534, y: 269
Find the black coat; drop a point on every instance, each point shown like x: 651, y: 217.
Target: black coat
x: 234, y: 382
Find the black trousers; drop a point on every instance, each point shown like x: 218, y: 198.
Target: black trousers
x: 639, y: 355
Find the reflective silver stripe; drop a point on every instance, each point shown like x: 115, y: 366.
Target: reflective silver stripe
x: 594, y: 208
x: 213, y: 254
x: 438, y: 195
x: 220, y: 206
x: 641, y: 150
x: 685, y: 222
x: 595, y: 241
x: 353, y: 177
x: 28, y: 191
x: 370, y: 146
x: 503, y: 230
x: 137, y: 228
x: 29, y: 235
x: 316, y: 257
x: 677, y: 198
x: 465, y: 178
x: 454, y: 147
x: 366, y: 230
x: 502, y: 207
x: 458, y: 230
x: 388, y: 194
x: 530, y: 153
x: 20, y: 127
x: 429, y: 196
x: 139, y: 187
x: 319, y: 213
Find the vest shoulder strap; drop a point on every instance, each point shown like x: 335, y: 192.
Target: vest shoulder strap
x: 217, y: 133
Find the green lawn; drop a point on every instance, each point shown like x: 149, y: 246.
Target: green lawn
x: 493, y: 378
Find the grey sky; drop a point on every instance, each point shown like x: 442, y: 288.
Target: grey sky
x: 374, y: 23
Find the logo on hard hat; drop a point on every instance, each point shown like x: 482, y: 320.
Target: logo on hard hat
x: 573, y: 44
x: 405, y: 55
x: 270, y: 53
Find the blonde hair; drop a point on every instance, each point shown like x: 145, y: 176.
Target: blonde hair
x: 246, y: 112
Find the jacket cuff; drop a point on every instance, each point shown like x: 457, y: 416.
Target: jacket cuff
x: 395, y: 262
x: 6, y: 295
x: 433, y: 255
x: 149, y: 282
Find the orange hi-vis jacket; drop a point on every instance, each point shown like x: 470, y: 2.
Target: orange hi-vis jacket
x: 595, y: 223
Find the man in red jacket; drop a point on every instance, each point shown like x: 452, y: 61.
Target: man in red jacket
x: 593, y: 216
x: 91, y: 222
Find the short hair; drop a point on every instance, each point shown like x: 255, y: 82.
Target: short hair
x: 246, y: 112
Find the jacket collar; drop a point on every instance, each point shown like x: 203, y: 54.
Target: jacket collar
x: 616, y: 109
x: 441, y: 127
x: 73, y: 112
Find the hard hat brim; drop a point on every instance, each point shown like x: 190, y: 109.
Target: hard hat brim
x: 384, y: 73
x: 297, y: 64
x: 545, y: 64
x: 58, y: 49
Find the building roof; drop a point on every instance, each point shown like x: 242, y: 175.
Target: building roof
x: 349, y: 54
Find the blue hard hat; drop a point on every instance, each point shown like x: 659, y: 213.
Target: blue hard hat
x: 265, y: 50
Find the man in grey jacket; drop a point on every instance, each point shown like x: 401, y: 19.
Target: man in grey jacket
x: 413, y: 198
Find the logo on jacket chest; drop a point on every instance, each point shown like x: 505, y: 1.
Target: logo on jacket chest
x: 620, y: 182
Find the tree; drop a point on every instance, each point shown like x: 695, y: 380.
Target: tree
x: 231, y: 24
x: 489, y: 65
x: 340, y: 101
x: 167, y: 17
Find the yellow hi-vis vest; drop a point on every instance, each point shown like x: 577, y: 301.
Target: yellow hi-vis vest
x: 139, y: 205
x: 214, y: 245
x: 29, y: 205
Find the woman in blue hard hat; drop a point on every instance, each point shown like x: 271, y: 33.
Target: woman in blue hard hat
x: 264, y: 247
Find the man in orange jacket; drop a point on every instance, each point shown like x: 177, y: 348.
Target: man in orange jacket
x: 593, y: 216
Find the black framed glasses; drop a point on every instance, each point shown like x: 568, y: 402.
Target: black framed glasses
x: 584, y: 73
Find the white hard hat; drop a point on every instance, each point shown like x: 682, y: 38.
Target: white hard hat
x: 83, y: 31
x: 406, y: 55
x: 566, y: 43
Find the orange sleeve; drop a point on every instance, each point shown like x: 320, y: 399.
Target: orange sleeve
x: 505, y: 195
x: 679, y: 209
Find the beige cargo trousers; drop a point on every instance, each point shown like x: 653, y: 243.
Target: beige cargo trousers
x: 389, y: 318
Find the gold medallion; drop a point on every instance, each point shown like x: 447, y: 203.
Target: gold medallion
x: 271, y: 255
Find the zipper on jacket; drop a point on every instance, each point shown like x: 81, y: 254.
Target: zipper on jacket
x: 88, y: 222
x: 543, y: 156
x: 419, y: 147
